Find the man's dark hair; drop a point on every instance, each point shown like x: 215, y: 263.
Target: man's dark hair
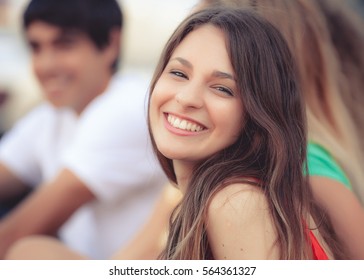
x: 95, y: 18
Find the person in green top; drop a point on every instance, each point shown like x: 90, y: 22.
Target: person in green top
x: 322, y: 164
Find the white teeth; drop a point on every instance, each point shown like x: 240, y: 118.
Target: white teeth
x: 176, y: 122
x: 183, y: 124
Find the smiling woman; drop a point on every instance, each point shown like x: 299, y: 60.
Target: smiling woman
x: 195, y: 97
x: 230, y: 133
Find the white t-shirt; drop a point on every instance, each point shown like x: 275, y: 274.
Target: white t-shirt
x: 108, y: 148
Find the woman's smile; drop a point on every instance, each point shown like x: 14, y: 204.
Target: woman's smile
x: 184, y: 124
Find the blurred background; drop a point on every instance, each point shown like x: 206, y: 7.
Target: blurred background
x: 148, y: 24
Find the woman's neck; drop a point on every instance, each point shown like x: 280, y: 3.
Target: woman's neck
x: 183, y: 171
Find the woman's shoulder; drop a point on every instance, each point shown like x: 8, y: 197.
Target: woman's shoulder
x: 239, y: 224
x: 238, y: 197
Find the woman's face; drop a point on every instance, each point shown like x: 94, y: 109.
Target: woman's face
x: 195, y: 109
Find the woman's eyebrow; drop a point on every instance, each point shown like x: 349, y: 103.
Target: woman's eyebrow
x: 183, y: 62
x: 223, y: 75
x: 216, y: 73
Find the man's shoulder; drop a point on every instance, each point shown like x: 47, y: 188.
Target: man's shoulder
x: 43, y: 108
x: 127, y: 87
x: 42, y: 113
x: 134, y: 80
x: 125, y: 95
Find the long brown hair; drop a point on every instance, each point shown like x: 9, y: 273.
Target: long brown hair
x: 327, y: 39
x: 346, y: 29
x: 271, y: 146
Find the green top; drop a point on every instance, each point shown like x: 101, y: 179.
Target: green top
x: 321, y: 163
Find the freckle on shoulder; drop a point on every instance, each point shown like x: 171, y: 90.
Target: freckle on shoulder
x: 238, y: 197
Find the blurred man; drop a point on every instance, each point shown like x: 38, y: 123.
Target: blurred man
x: 85, y: 151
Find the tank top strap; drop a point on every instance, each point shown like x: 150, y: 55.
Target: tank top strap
x: 317, y: 250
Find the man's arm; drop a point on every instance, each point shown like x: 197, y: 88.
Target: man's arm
x: 147, y: 244
x: 42, y: 248
x: 10, y: 186
x: 150, y: 240
x: 45, y: 210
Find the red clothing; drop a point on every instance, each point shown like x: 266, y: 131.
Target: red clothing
x: 317, y: 250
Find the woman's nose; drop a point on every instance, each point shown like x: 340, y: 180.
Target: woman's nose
x: 190, y: 95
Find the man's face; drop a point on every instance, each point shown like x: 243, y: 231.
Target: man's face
x: 70, y: 68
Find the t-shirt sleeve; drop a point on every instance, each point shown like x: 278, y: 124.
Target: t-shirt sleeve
x: 111, y: 152
x: 17, y: 147
x: 321, y: 163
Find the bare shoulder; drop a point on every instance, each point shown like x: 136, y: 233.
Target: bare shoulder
x: 239, y: 224
x: 239, y: 199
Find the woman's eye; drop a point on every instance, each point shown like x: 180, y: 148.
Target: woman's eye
x: 225, y: 90
x: 178, y: 74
